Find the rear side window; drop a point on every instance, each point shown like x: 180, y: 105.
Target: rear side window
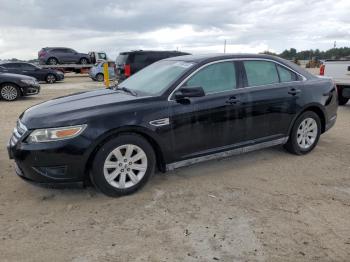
x: 141, y: 58
x: 12, y: 65
x: 286, y: 75
x: 121, y: 59
x: 260, y: 73
x: 215, y: 78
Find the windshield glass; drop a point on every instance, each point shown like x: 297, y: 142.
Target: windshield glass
x: 154, y: 79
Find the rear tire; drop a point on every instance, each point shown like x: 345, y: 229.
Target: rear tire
x: 83, y: 61
x: 9, y: 92
x: 50, y: 78
x: 123, y: 165
x: 305, y: 134
x: 100, y: 77
x: 52, y: 61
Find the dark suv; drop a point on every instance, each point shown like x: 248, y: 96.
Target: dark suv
x: 175, y: 112
x: 62, y: 55
x: 129, y: 63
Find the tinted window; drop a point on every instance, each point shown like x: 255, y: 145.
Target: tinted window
x: 121, y: 59
x: 140, y: 58
x: 215, y: 78
x: 28, y: 67
x: 286, y: 75
x: 260, y: 73
x: 12, y: 65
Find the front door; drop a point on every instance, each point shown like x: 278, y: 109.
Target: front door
x: 211, y: 123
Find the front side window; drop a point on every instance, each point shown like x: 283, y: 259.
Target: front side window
x: 102, y: 56
x: 286, y: 75
x: 215, y: 78
x: 260, y: 73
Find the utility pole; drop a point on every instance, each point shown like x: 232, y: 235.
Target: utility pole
x: 225, y: 47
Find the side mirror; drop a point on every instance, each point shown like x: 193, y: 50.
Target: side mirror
x: 187, y: 92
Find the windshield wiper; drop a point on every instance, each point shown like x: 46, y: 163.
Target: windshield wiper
x: 125, y: 89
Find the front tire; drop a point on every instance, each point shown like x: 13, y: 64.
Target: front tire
x: 305, y: 134
x: 100, y: 77
x: 9, y: 92
x: 50, y: 78
x: 123, y: 165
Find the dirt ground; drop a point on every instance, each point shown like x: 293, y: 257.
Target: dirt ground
x: 262, y: 206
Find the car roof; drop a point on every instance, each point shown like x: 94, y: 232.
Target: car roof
x: 207, y: 58
x: 151, y: 51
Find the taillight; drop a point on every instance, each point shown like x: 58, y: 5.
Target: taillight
x: 127, y: 70
x: 322, y: 70
x: 42, y: 53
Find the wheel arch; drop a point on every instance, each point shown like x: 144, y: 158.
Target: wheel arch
x: 58, y: 61
x: 317, y: 109
x: 160, y: 161
x: 14, y: 84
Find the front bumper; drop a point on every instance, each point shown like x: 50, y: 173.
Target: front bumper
x: 54, y: 162
x: 59, y: 76
x: 31, y: 90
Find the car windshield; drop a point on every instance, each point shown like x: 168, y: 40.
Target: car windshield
x: 154, y: 79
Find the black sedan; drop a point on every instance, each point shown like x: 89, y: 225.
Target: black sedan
x: 41, y: 74
x: 176, y: 112
x: 12, y: 86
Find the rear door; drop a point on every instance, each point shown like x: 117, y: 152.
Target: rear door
x: 270, y: 99
x: 203, y: 125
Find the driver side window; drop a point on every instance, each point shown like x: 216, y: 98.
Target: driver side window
x: 215, y: 78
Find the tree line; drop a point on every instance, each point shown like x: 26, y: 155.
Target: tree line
x: 293, y: 54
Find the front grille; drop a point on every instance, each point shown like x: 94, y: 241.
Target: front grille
x: 18, y: 133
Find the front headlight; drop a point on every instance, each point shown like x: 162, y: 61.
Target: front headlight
x: 54, y: 134
x: 29, y: 81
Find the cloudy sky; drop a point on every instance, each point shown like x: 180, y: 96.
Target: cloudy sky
x: 195, y: 26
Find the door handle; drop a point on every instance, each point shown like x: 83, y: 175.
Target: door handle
x: 233, y: 100
x: 294, y: 91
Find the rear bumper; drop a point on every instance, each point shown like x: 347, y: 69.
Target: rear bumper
x: 59, y: 77
x: 331, y: 123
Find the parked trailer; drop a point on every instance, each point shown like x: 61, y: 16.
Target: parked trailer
x: 66, y: 68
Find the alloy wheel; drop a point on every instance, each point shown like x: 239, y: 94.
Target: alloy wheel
x: 52, y: 61
x: 9, y: 92
x: 307, y: 133
x: 50, y: 79
x: 125, y: 166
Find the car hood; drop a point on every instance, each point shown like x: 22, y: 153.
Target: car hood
x: 76, y: 109
x: 17, y: 76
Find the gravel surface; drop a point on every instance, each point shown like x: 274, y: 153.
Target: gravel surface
x: 266, y: 205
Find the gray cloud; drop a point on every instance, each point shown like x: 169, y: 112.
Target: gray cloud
x: 196, y: 26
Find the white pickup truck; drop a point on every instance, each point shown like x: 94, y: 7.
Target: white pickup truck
x: 339, y: 70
